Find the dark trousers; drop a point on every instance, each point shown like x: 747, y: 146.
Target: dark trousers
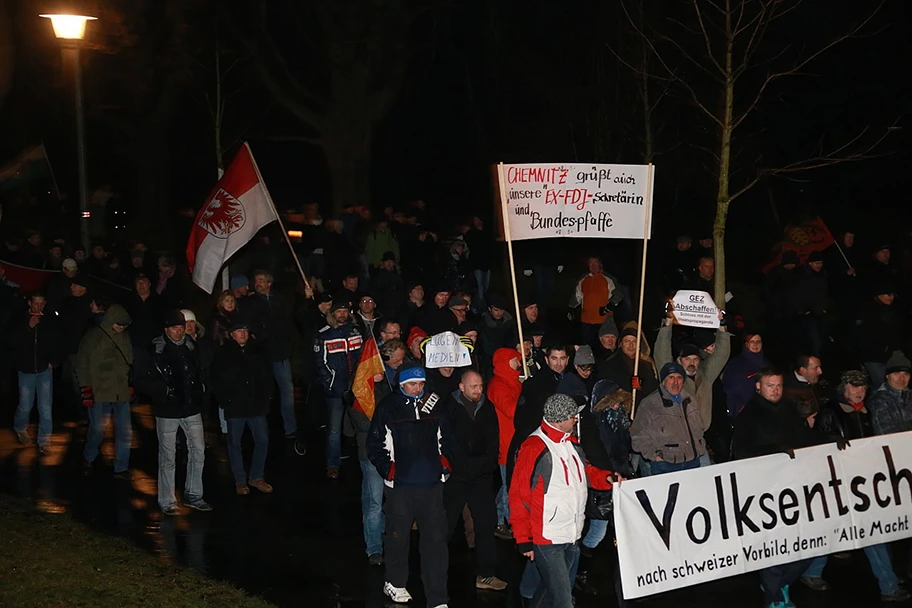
x: 775, y: 578
x: 479, y: 495
x: 424, y: 506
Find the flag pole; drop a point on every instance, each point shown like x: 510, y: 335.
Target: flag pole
x: 51, y: 170
x: 509, y: 238
x: 647, y: 223
x: 294, y: 255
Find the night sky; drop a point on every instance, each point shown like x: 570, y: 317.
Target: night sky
x: 517, y: 82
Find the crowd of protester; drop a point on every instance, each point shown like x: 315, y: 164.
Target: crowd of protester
x: 481, y: 443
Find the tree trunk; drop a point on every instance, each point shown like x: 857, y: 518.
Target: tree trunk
x: 153, y: 211
x: 723, y: 196
x: 349, y: 160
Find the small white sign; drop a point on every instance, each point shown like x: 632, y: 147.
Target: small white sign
x: 446, y: 350
x: 695, y: 309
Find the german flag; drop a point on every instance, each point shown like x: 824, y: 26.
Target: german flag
x: 363, y: 386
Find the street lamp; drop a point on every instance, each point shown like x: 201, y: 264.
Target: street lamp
x: 70, y: 30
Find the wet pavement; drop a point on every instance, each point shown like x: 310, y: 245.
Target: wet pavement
x: 302, y: 545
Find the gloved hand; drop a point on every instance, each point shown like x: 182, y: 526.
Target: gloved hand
x: 88, y: 396
x: 790, y: 452
x: 527, y: 273
x: 560, y: 268
x: 842, y: 444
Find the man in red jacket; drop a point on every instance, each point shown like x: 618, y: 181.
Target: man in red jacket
x: 503, y: 391
x: 552, y: 476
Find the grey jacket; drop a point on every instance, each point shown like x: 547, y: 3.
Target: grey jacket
x: 891, y: 410
x: 667, y: 430
x: 700, y: 386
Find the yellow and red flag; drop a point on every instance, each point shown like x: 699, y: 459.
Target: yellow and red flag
x: 363, y: 386
x: 803, y: 239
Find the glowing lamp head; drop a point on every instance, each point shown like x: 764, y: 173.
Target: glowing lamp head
x: 69, y: 27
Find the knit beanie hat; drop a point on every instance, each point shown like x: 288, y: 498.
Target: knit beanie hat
x: 560, y: 407
x: 412, y: 374
x: 672, y: 367
x: 608, y: 327
x: 898, y: 362
x: 174, y: 317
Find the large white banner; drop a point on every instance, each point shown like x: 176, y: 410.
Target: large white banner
x: 686, y: 528
x: 596, y: 201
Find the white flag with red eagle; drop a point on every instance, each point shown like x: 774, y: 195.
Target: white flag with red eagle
x: 237, y: 208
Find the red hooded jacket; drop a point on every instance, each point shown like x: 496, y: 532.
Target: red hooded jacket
x: 503, y: 391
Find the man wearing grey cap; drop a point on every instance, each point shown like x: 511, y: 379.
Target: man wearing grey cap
x: 548, y: 500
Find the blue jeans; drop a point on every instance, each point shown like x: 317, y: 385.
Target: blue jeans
x: 123, y: 432
x: 482, y: 282
x: 41, y: 384
x: 166, y: 428
x: 282, y: 372
x: 881, y: 567
x: 503, y: 500
x: 260, y: 431
x: 372, y: 507
x: 598, y: 528
x: 556, y: 564
x: 335, y: 410
x: 659, y: 467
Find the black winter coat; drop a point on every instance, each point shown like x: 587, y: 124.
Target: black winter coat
x: 764, y: 428
x: 242, y: 379
x: 170, y: 376
x: 147, y: 317
x: 35, y: 348
x: 840, y: 419
x: 530, y: 408
x: 271, y: 324
x: 476, y: 439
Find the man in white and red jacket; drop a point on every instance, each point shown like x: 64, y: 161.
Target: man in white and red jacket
x: 552, y: 477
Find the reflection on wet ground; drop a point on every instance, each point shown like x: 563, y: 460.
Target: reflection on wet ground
x: 302, y: 545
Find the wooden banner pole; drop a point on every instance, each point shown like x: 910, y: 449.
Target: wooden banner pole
x: 506, y: 223
x: 647, y: 224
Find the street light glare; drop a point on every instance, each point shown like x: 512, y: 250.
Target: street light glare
x: 69, y: 27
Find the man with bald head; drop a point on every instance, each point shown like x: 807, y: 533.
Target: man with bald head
x: 473, y: 459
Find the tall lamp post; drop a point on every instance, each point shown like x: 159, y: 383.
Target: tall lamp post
x: 70, y: 30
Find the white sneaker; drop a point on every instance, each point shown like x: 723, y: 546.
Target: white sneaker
x: 400, y: 595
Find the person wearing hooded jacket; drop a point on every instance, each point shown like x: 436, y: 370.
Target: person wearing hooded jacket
x: 409, y: 438
x: 103, y: 365
x: 503, y: 392
x: 880, y: 331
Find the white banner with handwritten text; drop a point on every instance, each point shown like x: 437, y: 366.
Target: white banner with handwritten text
x: 577, y: 200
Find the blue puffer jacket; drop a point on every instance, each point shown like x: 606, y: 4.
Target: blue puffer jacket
x: 338, y: 351
x: 408, y: 438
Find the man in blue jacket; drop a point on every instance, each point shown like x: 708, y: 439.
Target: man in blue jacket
x: 408, y: 437
x: 338, y: 351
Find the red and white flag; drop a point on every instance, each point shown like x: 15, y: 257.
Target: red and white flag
x: 237, y: 208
